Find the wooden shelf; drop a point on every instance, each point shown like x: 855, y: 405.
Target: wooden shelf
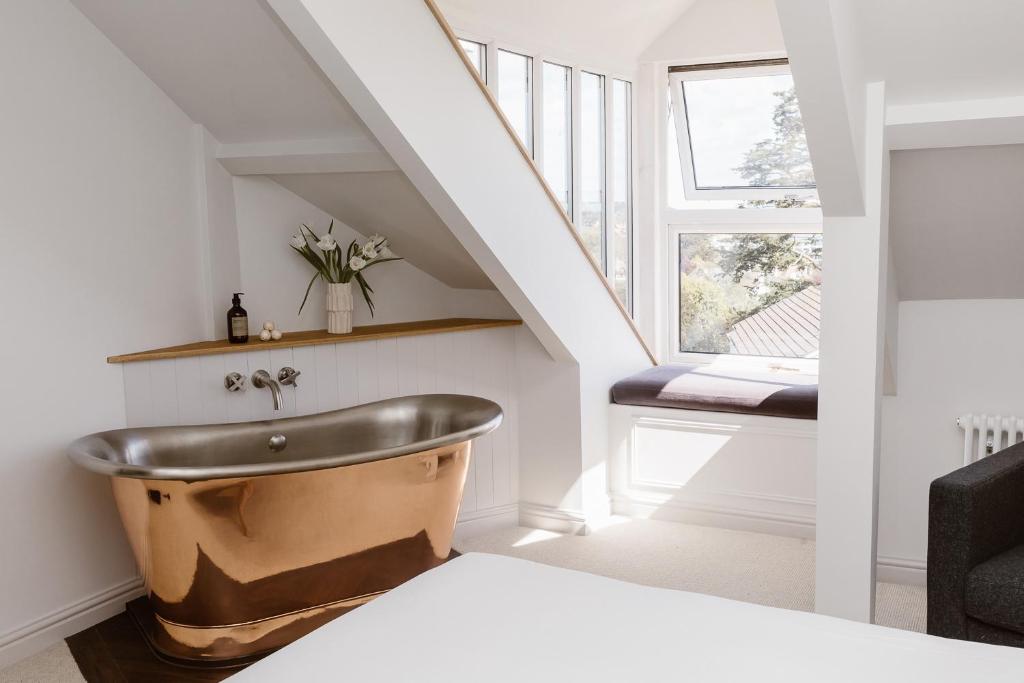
x: 314, y: 337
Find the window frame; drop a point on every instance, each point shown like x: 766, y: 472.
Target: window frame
x: 538, y: 155
x: 777, y: 224
x: 610, y: 82
x: 699, y: 72
x: 531, y: 91
x: 536, y: 148
x: 482, y: 67
x: 604, y: 257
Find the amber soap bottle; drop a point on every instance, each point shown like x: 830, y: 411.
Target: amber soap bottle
x: 238, y: 321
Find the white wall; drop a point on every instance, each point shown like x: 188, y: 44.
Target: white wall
x: 274, y: 277
x: 550, y: 414
x: 955, y: 357
x: 101, y: 252
x: 958, y: 222
x: 219, y: 229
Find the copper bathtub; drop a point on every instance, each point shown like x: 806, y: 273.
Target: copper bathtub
x: 250, y: 535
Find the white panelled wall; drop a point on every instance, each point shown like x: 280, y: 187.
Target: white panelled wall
x: 185, y: 391
x: 748, y: 472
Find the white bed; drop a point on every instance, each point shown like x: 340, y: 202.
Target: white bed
x: 492, y: 618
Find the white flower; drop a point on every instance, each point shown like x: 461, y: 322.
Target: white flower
x: 356, y: 263
x: 369, y: 252
x: 298, y: 241
x: 375, y: 239
x: 327, y: 243
x: 385, y: 252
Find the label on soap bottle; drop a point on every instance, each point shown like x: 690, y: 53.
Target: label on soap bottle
x: 239, y: 327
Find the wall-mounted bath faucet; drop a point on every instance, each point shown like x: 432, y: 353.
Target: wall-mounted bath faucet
x: 261, y: 379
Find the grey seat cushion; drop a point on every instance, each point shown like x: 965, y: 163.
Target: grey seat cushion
x: 995, y: 591
x: 696, y: 387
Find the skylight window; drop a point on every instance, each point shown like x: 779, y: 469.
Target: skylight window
x: 739, y: 133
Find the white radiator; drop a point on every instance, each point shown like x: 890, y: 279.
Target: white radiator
x: 987, y: 434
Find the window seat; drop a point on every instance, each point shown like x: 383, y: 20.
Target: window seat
x: 703, y: 387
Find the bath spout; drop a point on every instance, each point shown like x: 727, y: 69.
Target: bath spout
x: 261, y: 379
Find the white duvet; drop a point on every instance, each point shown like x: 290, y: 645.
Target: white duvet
x: 491, y: 618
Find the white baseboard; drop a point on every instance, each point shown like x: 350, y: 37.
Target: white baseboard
x: 484, y: 521
x: 760, y: 514
x: 552, y: 519
x: 902, y: 570
x: 49, y: 629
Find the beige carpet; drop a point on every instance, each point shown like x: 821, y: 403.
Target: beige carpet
x: 53, y: 665
x: 769, y: 570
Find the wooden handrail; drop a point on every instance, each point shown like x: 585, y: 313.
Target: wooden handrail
x: 492, y: 100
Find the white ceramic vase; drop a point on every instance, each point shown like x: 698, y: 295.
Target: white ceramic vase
x: 339, y: 307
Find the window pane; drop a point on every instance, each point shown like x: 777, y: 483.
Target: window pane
x: 557, y: 132
x: 750, y: 294
x: 515, y: 93
x: 477, y: 53
x: 622, y: 199
x: 591, y: 221
x: 746, y: 132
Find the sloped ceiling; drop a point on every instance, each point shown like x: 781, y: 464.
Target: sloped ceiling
x: 387, y: 203
x: 957, y: 222
x: 228, y: 65
x: 595, y: 33
x: 957, y: 213
x: 942, y: 50
x: 233, y: 68
x: 709, y: 31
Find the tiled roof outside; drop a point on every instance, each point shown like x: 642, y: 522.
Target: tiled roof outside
x: 788, y: 328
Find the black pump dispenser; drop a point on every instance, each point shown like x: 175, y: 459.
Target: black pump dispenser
x: 238, y: 321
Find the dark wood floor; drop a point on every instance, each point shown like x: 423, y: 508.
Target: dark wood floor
x: 114, y: 651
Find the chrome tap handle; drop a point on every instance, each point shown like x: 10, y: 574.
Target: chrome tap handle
x: 234, y: 381
x: 287, y: 376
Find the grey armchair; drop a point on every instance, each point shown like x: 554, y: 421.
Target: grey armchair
x: 976, y: 551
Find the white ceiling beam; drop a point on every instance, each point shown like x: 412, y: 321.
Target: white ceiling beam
x: 814, y: 57
x: 960, y: 123
x: 341, y: 155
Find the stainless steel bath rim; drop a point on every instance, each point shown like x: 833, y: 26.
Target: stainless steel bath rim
x: 350, y: 436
